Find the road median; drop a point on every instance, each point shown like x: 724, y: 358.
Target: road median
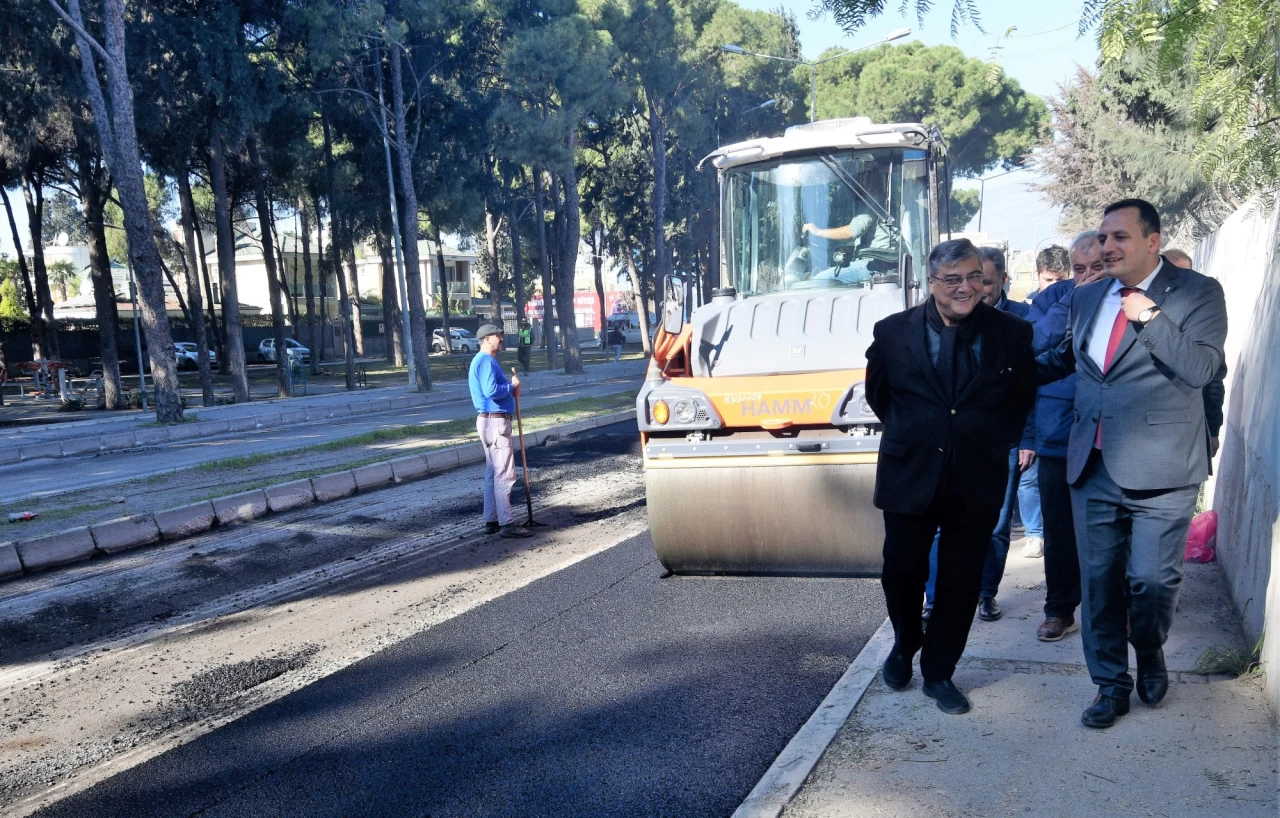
x: 27, y: 556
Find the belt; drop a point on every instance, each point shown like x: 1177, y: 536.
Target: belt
x: 495, y: 414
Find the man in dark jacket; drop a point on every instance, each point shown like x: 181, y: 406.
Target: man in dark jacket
x: 1053, y: 417
x: 952, y: 379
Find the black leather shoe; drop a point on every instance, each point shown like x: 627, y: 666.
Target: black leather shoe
x: 897, y: 670
x: 492, y: 528
x: 948, y: 696
x: 989, y: 609
x: 1104, y: 711
x: 1153, y: 677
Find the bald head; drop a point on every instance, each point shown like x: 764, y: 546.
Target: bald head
x: 1178, y: 257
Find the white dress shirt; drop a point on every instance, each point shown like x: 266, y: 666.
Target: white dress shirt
x: 1100, y: 335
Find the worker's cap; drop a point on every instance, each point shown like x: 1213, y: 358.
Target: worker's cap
x: 486, y: 330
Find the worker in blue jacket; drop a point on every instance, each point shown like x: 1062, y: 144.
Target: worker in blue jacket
x: 494, y: 398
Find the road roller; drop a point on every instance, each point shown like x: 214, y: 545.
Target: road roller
x: 759, y: 446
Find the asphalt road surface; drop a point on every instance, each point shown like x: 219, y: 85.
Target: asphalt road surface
x: 562, y: 675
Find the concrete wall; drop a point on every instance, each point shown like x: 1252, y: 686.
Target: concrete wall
x: 1242, y: 254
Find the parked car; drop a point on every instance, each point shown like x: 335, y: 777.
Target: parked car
x: 186, y: 355
x: 462, y: 340
x: 295, y: 350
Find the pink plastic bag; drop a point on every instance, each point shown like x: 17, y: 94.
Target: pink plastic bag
x: 1202, y: 537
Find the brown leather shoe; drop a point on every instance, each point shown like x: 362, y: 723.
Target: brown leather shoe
x: 1055, y: 627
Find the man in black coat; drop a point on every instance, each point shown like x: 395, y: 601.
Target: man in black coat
x: 952, y: 380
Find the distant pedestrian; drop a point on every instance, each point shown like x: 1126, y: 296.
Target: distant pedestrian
x: 616, y: 340
x: 1143, y: 342
x: 494, y: 399
x: 1053, y: 264
x: 524, y: 343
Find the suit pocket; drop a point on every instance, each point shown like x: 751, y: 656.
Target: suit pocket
x: 892, y: 448
x: 1158, y: 416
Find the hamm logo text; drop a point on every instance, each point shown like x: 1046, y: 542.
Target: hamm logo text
x: 788, y: 407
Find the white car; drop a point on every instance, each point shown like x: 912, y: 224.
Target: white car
x: 186, y: 355
x: 461, y: 340
x: 295, y: 350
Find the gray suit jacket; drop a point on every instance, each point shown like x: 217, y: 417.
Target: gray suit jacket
x: 1150, y: 401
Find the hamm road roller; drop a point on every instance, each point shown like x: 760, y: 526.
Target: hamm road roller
x: 759, y: 446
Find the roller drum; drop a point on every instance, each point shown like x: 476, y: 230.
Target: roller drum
x: 802, y: 520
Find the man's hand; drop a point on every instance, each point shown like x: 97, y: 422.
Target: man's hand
x: 1213, y: 447
x: 515, y: 383
x: 808, y: 227
x: 1025, y: 458
x: 1135, y: 303
x: 1090, y: 275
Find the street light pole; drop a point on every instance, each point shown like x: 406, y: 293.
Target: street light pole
x: 405, y: 334
x: 813, y: 64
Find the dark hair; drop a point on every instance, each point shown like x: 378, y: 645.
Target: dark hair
x: 1147, y: 215
x: 951, y: 253
x: 1054, y: 258
x: 993, y: 255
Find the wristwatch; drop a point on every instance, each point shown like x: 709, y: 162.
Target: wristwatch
x: 1146, y: 315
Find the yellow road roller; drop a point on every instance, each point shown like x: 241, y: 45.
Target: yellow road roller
x: 759, y: 446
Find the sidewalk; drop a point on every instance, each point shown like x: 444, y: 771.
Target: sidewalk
x: 1210, y: 749
x: 127, y: 431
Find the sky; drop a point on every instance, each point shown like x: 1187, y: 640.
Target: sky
x: 1042, y: 53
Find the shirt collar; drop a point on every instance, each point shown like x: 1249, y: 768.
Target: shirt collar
x: 1144, y: 284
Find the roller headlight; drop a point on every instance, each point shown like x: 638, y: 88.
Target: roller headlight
x: 685, y: 411
x: 855, y: 409
x: 661, y: 412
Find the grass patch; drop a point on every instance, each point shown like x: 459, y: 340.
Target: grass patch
x: 1240, y: 664
x: 63, y: 512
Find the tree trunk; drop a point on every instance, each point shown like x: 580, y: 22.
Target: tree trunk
x: 492, y: 227
x: 287, y: 293
x: 544, y: 265
x: 642, y: 309
x: 392, y: 342
x: 227, y: 267
x: 33, y: 193
x: 118, y: 136
x: 35, y: 323
x: 212, y: 316
x: 353, y: 287
x: 263, y: 205
x: 324, y: 279
x: 444, y: 286
x: 597, y: 262
x: 93, y: 198
x: 517, y: 263
x: 309, y: 286
x: 177, y: 292
x: 566, y: 265
x: 337, y: 240
x: 409, y: 229
x: 658, y: 140
x: 188, y: 211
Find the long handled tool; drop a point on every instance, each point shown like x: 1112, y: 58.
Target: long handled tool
x: 524, y: 461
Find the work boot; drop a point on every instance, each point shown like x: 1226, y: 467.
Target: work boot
x: 516, y: 530
x: 492, y: 528
x: 1056, y: 627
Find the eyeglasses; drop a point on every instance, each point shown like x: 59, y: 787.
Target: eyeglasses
x: 974, y: 279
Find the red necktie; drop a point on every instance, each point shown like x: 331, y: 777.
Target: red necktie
x: 1113, y: 343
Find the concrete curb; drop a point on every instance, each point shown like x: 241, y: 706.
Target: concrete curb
x: 784, y: 778
x: 271, y: 416
x: 29, y: 556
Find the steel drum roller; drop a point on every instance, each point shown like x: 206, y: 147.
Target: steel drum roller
x: 814, y: 520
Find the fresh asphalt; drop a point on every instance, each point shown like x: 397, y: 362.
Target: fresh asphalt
x: 604, y: 689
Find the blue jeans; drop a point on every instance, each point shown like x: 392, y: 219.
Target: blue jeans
x: 1029, y: 501
x: 998, y: 551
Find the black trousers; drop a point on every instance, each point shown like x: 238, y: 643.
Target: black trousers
x: 962, y: 550
x: 522, y: 355
x: 1061, y: 561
